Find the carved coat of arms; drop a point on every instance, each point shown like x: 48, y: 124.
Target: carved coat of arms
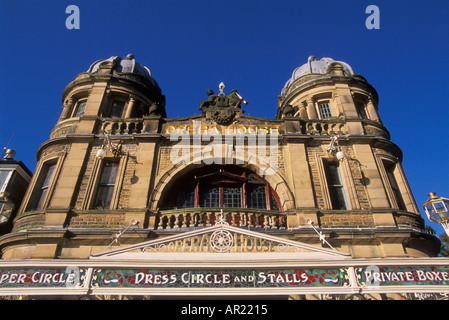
x: 222, y: 108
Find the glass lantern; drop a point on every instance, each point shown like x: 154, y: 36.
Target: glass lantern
x: 437, y: 210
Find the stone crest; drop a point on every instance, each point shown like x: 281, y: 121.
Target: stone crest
x: 223, y: 109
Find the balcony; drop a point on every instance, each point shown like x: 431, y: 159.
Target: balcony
x: 123, y: 126
x: 175, y: 219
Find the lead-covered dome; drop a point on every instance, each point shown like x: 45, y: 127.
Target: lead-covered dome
x: 315, y: 66
x: 127, y: 65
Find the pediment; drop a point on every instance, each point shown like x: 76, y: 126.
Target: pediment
x: 220, y: 242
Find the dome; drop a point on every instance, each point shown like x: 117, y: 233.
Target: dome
x: 315, y: 66
x: 125, y: 65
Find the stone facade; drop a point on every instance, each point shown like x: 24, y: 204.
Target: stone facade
x: 122, y: 113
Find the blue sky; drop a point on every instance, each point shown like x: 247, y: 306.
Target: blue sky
x: 252, y: 46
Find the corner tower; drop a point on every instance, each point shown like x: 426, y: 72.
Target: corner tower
x: 73, y: 186
x: 360, y: 190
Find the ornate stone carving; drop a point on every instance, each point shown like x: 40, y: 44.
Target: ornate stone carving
x: 221, y: 108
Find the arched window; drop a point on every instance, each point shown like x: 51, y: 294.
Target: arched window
x: 230, y: 187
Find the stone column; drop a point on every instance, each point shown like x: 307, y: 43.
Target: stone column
x: 66, y: 109
x: 303, y: 111
x: 129, y: 110
x: 372, y: 110
x: 311, y: 110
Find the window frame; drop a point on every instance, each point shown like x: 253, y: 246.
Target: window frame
x: 94, y: 181
x: 213, y: 199
x: 111, y: 105
x: 342, y: 185
x: 76, y: 107
x: 395, y: 195
x: 35, y: 197
x: 263, y: 199
x: 7, y: 178
x: 242, y: 187
x: 328, y: 111
x: 232, y: 197
x: 101, y: 186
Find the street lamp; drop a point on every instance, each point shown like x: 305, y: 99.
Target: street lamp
x: 437, y: 210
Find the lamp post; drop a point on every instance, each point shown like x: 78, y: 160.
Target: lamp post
x: 437, y: 210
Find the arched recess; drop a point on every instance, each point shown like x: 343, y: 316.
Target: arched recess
x: 175, y: 174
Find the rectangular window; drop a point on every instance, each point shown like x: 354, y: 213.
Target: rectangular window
x: 80, y: 108
x: 211, y: 197
x: 257, y: 198
x: 335, y: 186
x: 325, y: 109
x: 117, y: 109
x: 361, y: 111
x: 43, y: 187
x: 389, y: 167
x: 106, y: 186
x: 232, y: 197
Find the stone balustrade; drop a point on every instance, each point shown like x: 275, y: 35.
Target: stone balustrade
x: 198, y: 217
x: 324, y: 128
x: 123, y: 126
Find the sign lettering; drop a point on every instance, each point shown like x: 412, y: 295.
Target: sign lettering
x: 403, y: 276
x: 235, y: 278
x: 41, y: 278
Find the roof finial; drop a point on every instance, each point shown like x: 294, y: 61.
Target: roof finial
x: 221, y: 87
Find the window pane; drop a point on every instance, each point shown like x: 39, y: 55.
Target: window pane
x: 48, y: 176
x: 211, y: 198
x: 325, y: 110
x: 106, y: 185
x: 43, y: 189
x: 80, y: 108
x: 232, y: 197
x: 3, y: 177
x: 117, y: 109
x: 41, y: 198
x: 362, y: 112
x: 335, y: 186
x: 257, y: 198
x: 109, y: 173
x: 394, y: 186
x: 104, y: 197
x: 334, y: 175
x: 337, y: 198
